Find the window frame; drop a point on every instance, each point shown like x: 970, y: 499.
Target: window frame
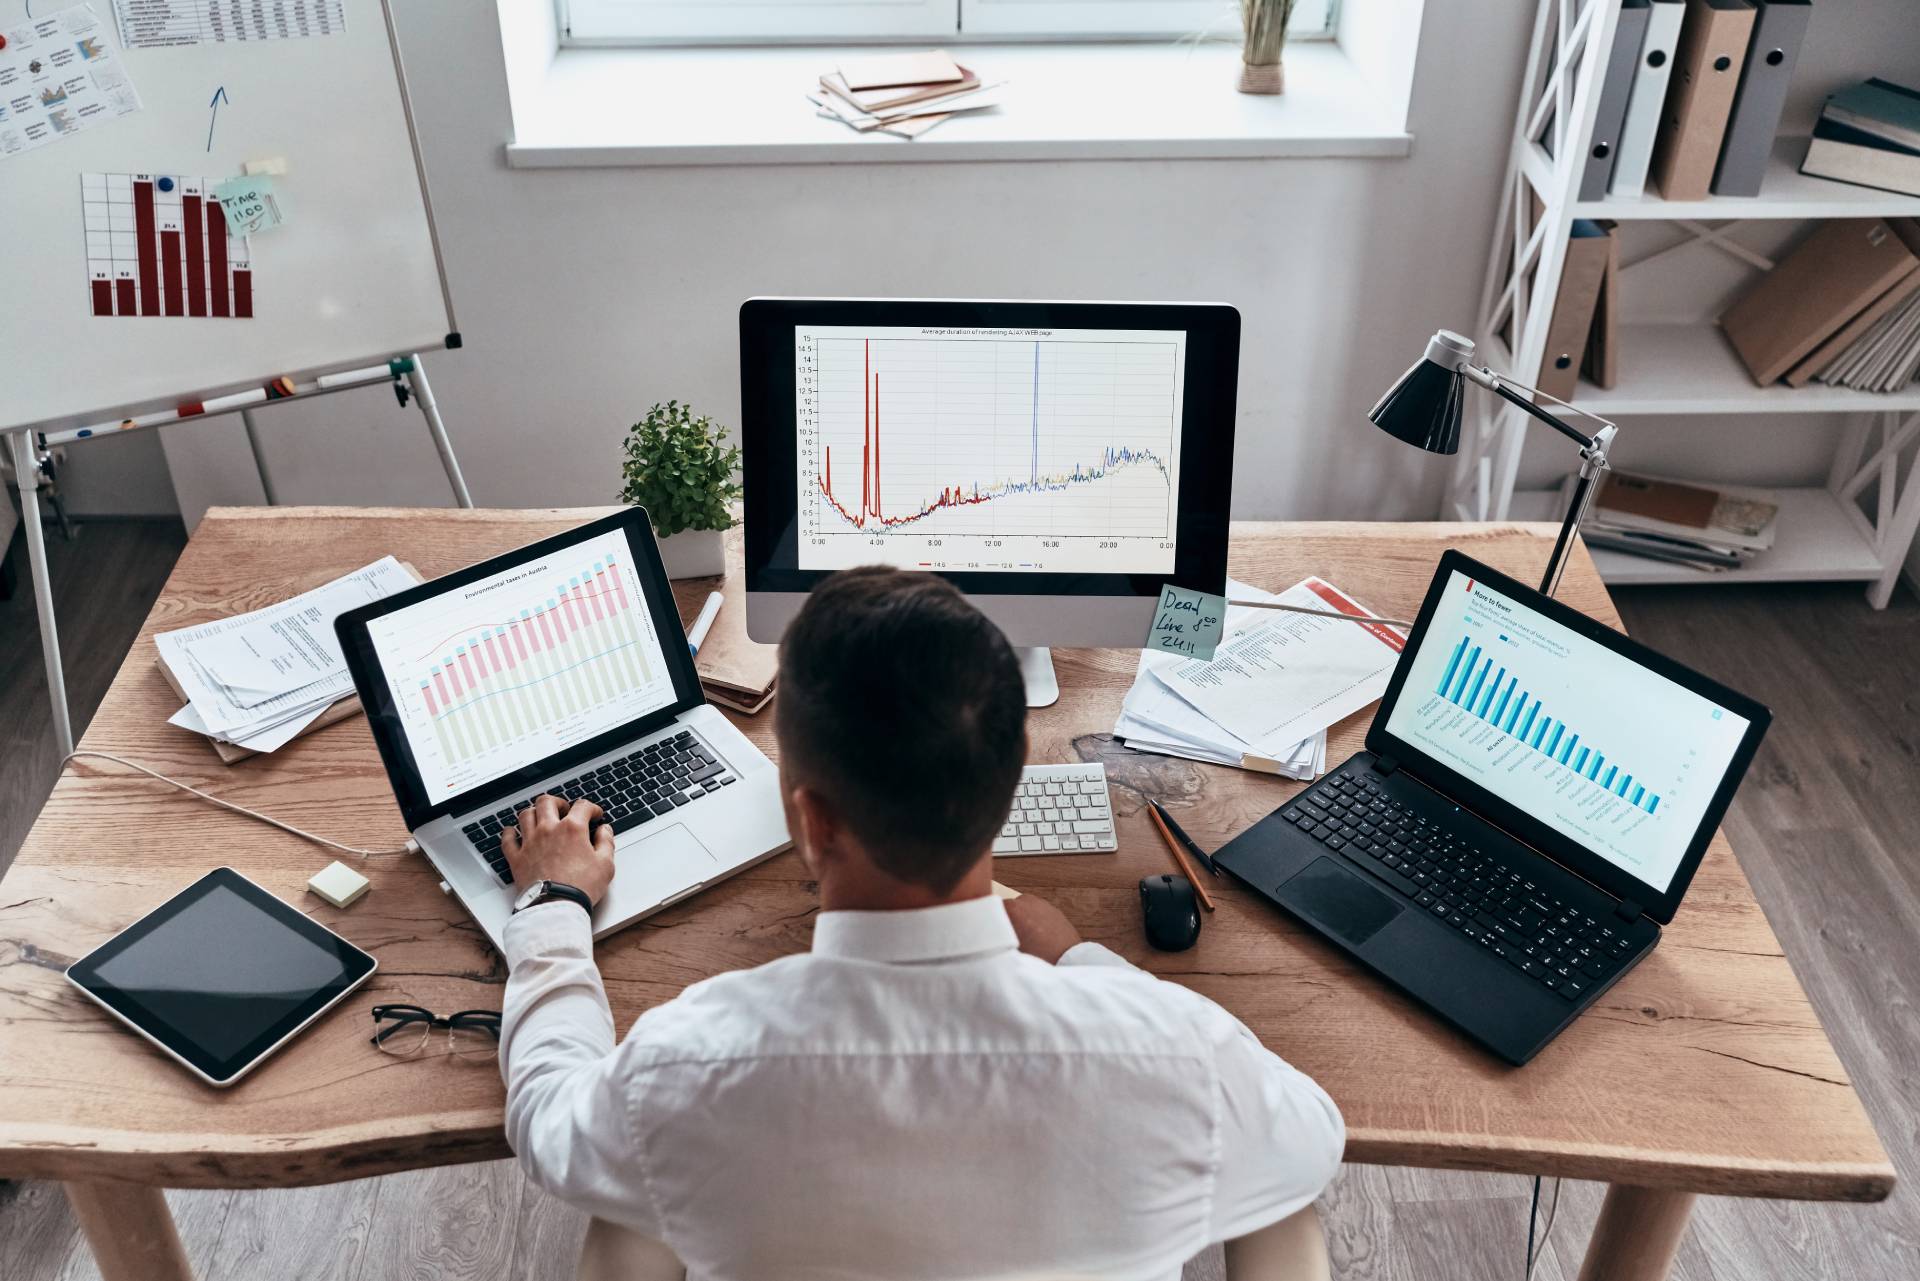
x: 956, y: 22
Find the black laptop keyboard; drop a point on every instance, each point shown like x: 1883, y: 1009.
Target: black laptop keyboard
x: 636, y: 789
x: 1564, y: 949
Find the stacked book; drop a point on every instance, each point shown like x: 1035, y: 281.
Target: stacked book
x: 904, y: 94
x: 1869, y: 135
x: 1716, y: 528
x: 1843, y: 307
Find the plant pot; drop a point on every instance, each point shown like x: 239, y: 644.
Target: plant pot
x: 694, y: 553
x: 1263, y: 78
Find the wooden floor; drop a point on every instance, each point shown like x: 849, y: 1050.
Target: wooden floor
x: 1827, y: 826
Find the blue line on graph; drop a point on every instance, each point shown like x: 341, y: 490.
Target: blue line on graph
x: 1033, y: 475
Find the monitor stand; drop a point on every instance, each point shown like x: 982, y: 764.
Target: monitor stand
x: 1036, y: 669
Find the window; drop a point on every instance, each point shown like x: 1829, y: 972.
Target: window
x: 774, y: 21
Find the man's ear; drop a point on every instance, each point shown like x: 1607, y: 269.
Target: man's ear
x: 817, y: 832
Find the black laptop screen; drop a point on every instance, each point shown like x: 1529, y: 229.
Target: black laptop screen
x: 1599, y: 747
x: 494, y: 675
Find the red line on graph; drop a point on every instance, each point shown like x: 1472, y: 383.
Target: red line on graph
x: 950, y: 496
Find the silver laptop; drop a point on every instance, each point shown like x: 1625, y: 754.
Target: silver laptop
x: 561, y: 668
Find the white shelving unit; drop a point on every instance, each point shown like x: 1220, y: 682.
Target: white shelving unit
x: 1860, y: 524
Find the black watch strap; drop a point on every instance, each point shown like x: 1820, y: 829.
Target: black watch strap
x: 559, y: 891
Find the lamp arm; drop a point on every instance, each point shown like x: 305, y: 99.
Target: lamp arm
x: 1593, y: 459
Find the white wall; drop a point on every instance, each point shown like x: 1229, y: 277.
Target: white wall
x: 585, y: 295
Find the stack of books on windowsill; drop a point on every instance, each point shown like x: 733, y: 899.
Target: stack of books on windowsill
x: 903, y: 94
x: 1715, y: 528
x: 1869, y: 135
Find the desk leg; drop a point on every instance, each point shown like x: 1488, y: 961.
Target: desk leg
x: 1637, y: 1235
x: 130, y: 1230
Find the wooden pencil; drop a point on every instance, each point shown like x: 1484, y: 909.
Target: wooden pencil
x: 1180, y: 857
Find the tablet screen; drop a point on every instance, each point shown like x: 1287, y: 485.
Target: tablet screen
x: 221, y: 973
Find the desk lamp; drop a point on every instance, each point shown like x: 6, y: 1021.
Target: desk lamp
x: 1423, y: 409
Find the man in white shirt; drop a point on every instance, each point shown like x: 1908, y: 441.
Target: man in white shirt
x: 948, y: 1085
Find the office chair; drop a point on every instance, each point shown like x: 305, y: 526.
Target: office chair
x: 1293, y: 1249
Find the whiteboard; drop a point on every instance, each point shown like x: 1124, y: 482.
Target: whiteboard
x: 352, y: 278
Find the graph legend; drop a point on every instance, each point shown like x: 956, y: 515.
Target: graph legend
x: 159, y: 245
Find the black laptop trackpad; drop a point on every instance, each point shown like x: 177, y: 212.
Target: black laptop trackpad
x: 1339, y: 900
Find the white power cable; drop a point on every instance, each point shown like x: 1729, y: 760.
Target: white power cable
x: 1553, y: 1210
x: 409, y: 848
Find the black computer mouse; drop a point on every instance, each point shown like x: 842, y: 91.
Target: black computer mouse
x: 1172, y: 912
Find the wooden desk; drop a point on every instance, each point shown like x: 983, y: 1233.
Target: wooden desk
x: 1704, y: 1070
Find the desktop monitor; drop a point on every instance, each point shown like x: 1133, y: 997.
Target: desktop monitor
x: 1057, y: 461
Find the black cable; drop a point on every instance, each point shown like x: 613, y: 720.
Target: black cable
x: 1533, y: 1218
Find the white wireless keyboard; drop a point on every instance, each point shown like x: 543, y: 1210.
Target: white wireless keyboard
x: 1060, y: 809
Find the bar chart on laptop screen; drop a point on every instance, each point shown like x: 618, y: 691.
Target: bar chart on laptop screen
x: 988, y: 449
x: 1612, y: 754
x: 500, y: 673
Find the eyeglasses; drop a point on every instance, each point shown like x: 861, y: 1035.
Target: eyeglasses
x: 406, y: 1029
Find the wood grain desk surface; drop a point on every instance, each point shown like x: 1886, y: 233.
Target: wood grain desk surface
x: 1705, y: 1069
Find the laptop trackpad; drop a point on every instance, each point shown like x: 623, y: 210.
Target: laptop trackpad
x: 661, y: 866
x: 1339, y: 900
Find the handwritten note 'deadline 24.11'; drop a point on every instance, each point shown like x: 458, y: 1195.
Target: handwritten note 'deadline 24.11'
x: 1187, y: 622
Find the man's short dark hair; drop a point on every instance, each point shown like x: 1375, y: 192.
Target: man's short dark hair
x: 903, y: 706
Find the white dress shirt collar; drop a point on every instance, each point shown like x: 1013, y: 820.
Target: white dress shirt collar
x: 951, y: 932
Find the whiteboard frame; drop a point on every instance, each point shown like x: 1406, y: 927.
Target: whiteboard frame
x: 451, y: 340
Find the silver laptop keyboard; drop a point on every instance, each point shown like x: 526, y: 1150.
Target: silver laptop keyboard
x: 647, y: 783
x: 1059, y: 809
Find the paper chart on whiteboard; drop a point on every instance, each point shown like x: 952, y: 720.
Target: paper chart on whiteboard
x: 58, y: 76
x: 159, y: 245
x: 162, y: 24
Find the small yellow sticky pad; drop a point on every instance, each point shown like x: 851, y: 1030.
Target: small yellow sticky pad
x: 1005, y: 891
x: 338, y: 884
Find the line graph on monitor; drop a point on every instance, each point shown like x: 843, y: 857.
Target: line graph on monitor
x: 988, y: 449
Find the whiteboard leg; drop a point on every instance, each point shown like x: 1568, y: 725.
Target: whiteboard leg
x: 259, y: 459
x: 26, y: 475
x: 423, y: 392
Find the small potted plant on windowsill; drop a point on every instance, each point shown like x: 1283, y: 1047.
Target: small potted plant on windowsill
x: 679, y: 467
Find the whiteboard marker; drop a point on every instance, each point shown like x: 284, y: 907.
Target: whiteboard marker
x: 392, y: 369
x: 697, y: 634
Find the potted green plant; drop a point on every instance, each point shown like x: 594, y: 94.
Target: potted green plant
x: 679, y: 467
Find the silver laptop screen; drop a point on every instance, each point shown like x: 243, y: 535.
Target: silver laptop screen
x: 494, y: 676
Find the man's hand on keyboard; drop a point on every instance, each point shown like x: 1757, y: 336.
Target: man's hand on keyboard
x: 555, y: 840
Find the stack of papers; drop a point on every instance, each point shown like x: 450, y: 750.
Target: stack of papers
x: 1274, y: 686
x: 904, y: 94
x: 257, y: 680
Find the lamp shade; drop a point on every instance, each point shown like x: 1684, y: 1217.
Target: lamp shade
x: 1424, y: 407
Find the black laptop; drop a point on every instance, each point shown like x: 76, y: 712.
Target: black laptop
x: 1535, y: 795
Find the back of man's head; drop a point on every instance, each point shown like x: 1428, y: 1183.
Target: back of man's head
x: 902, y: 707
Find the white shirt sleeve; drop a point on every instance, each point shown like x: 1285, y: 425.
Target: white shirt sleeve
x: 1281, y: 1137
x: 569, y: 1118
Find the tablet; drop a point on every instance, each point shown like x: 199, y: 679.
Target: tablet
x: 221, y: 975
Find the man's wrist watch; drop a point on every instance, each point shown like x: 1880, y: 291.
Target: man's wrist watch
x: 553, y: 891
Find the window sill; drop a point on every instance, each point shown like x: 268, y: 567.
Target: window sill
x: 744, y: 106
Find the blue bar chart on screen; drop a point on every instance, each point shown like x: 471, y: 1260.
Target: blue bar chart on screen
x: 1565, y: 729
x: 1521, y: 714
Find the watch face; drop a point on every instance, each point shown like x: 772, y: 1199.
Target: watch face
x: 533, y: 892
